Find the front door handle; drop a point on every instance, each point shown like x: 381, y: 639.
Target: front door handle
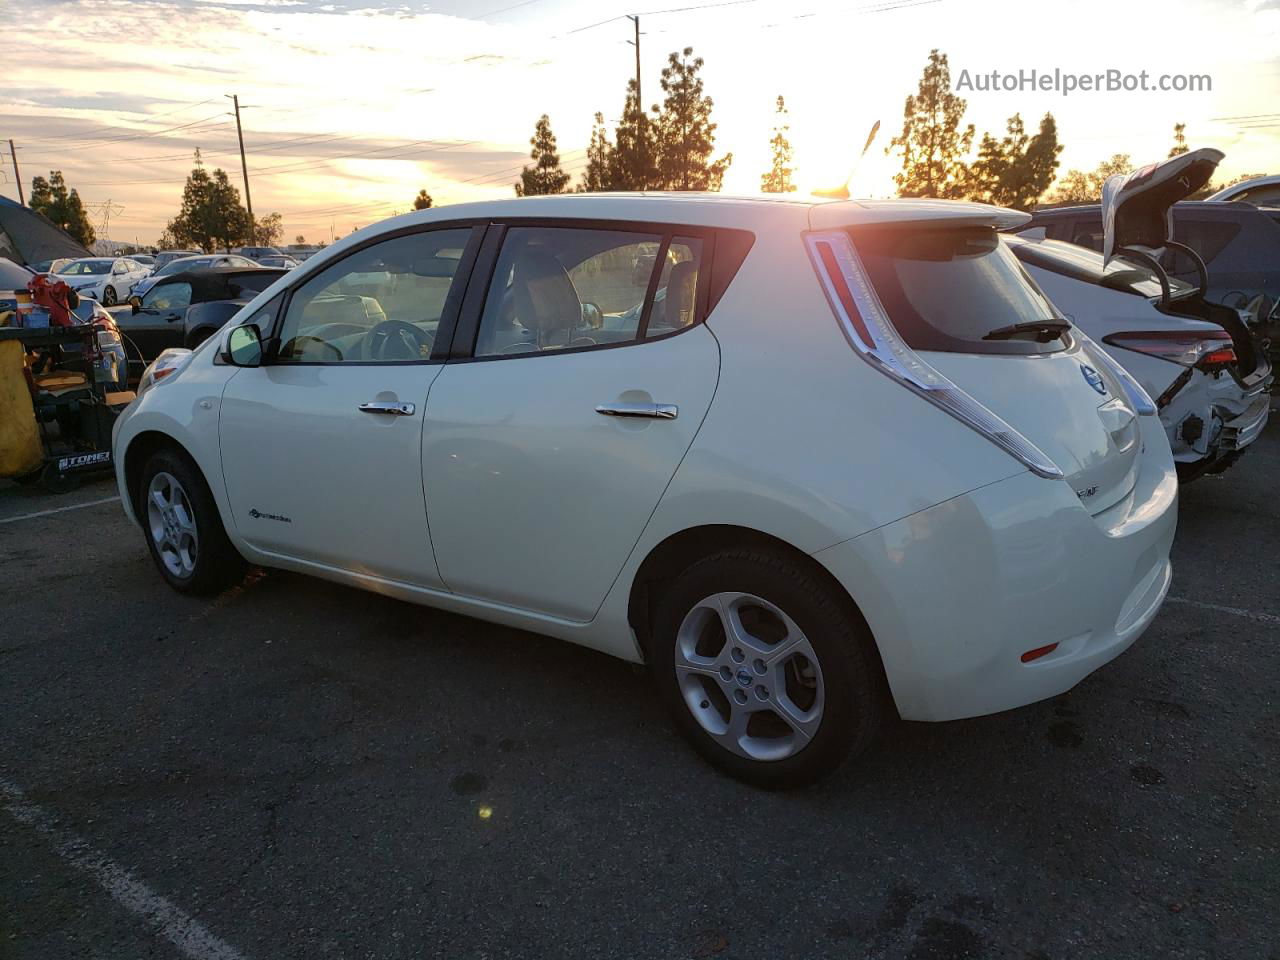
x: 390, y: 408
x: 655, y: 411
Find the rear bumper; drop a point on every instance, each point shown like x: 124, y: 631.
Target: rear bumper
x: 955, y: 594
x: 1240, y: 431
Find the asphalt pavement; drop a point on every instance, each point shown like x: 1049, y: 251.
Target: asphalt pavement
x: 299, y: 770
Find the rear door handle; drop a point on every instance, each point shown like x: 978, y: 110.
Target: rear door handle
x: 390, y: 408
x: 655, y: 411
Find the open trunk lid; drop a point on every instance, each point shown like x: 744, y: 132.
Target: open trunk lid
x: 1137, y: 207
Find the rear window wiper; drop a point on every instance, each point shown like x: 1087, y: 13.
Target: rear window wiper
x: 1045, y: 330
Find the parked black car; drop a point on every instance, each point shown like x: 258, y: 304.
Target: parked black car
x: 1239, y: 243
x: 184, y: 309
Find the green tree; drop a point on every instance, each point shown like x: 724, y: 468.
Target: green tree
x: 1179, y: 141
x: 598, y: 175
x: 422, y: 201
x: 299, y: 239
x: 52, y: 198
x: 1076, y: 186
x: 633, y: 154
x: 269, y: 230
x: 685, y: 136
x: 211, y: 214
x: 1017, y: 169
x: 932, y: 142
x: 778, y: 177
x: 545, y: 175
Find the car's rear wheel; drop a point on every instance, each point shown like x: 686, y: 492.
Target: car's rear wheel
x: 183, y: 529
x: 109, y: 298
x: 767, y: 669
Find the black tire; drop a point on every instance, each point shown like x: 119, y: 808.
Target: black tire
x: 217, y: 565
x: 53, y: 480
x: 849, y: 671
x: 109, y: 298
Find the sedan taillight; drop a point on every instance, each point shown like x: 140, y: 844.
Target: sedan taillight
x: 1190, y: 349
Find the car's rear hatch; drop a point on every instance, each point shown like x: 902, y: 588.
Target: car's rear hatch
x: 964, y: 305
x: 1137, y: 223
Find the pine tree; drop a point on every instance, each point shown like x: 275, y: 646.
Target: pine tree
x: 598, y: 174
x: 64, y: 207
x: 211, y: 214
x: 545, y: 175
x: 932, y: 142
x: 778, y: 179
x: 631, y: 162
x: 422, y: 201
x: 685, y: 134
x: 1017, y: 169
x: 1179, y: 141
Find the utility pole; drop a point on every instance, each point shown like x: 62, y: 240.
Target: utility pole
x: 244, y: 169
x: 640, y: 114
x: 13, y: 152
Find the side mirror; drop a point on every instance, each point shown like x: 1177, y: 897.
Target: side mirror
x: 135, y: 304
x: 244, y: 346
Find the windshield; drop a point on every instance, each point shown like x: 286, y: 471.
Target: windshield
x: 1081, y: 263
x: 947, y: 289
x: 79, y: 268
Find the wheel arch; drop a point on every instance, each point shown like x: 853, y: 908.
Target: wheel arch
x: 667, y: 559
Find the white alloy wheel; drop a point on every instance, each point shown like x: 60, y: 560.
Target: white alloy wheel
x: 749, y: 676
x: 172, y: 525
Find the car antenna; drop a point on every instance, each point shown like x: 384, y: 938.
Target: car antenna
x: 842, y: 192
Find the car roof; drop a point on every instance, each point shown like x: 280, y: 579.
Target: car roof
x: 751, y: 212
x: 211, y: 283
x: 1226, y: 192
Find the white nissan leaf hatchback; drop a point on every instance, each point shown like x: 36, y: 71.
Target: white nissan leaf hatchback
x: 815, y: 461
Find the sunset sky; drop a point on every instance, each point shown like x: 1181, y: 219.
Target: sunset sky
x: 352, y: 106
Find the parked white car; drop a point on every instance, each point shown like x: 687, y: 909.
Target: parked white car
x: 823, y: 459
x: 109, y: 280
x: 1201, y: 361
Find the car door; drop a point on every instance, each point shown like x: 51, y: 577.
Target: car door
x: 576, y: 387
x: 157, y: 322
x: 322, y: 444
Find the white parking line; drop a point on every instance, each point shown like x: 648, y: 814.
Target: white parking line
x: 177, y: 926
x: 1234, y: 611
x: 46, y: 513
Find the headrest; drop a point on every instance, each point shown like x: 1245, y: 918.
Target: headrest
x: 545, y: 297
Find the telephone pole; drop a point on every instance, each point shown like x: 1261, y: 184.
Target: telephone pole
x: 13, y: 152
x: 244, y: 169
x: 640, y: 114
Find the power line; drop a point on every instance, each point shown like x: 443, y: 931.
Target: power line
x: 154, y: 116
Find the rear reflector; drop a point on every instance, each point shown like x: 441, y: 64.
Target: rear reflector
x: 1038, y: 652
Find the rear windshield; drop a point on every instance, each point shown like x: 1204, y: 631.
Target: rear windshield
x: 947, y: 289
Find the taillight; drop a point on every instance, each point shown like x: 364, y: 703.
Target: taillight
x: 874, y: 338
x: 1190, y: 349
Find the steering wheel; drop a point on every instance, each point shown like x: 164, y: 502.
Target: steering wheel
x: 294, y: 347
x: 415, y: 342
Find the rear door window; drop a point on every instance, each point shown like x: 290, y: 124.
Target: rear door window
x: 947, y: 289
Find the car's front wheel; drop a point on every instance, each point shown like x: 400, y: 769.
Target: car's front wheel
x: 109, y: 298
x: 767, y: 669
x: 183, y: 529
